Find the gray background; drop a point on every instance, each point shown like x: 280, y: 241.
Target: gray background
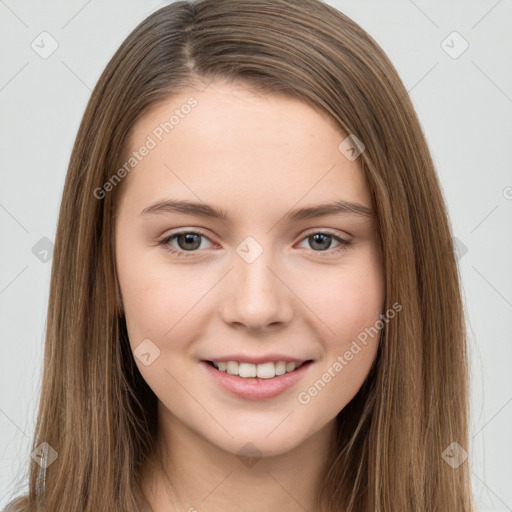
x: 464, y: 105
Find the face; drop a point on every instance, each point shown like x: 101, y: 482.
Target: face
x: 243, y: 276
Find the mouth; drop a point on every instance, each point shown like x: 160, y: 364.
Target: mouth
x: 268, y: 370
x: 253, y: 386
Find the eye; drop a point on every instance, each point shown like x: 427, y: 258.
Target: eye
x: 187, y: 241
x: 190, y: 241
x: 320, y: 241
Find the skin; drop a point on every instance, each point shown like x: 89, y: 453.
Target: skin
x: 257, y: 157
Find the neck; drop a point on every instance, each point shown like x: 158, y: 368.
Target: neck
x: 195, y: 474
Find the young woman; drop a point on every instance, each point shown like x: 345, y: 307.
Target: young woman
x: 254, y: 301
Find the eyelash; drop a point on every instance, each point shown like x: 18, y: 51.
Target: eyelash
x: 343, y: 244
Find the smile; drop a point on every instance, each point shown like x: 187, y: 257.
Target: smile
x: 252, y: 386
x: 266, y: 370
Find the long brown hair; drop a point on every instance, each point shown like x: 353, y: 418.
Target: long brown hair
x: 95, y: 409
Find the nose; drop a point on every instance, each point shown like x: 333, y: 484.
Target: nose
x: 256, y: 294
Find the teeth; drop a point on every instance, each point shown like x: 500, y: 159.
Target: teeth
x: 247, y: 370
x: 280, y: 368
x: 232, y: 367
x: 290, y: 367
x: 263, y: 371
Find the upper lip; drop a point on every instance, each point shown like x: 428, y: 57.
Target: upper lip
x: 267, y: 358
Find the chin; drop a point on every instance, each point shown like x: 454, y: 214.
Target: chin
x: 258, y: 442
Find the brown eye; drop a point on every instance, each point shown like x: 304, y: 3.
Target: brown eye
x: 321, y: 242
x: 189, y: 241
x: 186, y: 242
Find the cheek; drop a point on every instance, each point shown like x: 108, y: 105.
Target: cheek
x: 350, y: 305
x: 147, y: 294
x: 160, y: 303
x: 157, y: 307
x: 351, y: 308
x: 348, y: 298
x: 152, y: 304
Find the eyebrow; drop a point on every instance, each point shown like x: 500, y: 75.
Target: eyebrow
x: 210, y: 211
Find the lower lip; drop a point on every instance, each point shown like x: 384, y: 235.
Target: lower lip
x: 254, y: 388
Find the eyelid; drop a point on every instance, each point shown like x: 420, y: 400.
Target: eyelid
x: 327, y: 231
x: 196, y: 231
x: 343, y: 242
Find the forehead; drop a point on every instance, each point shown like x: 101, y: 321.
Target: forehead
x: 227, y: 141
